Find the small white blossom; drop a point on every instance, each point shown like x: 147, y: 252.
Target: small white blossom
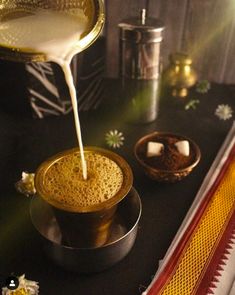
x: 114, y: 138
x: 26, y: 184
x: 27, y: 177
x: 223, y: 112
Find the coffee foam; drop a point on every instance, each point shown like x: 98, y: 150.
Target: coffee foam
x: 64, y: 183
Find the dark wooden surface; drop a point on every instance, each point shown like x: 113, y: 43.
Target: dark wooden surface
x: 202, y: 28
x: 25, y: 143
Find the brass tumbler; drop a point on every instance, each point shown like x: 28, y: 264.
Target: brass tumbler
x: 85, y: 226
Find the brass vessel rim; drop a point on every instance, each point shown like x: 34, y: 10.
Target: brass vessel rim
x: 156, y: 133
x: 30, y: 55
x: 123, y: 191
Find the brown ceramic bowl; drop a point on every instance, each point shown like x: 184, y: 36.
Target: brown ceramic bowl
x: 158, y: 171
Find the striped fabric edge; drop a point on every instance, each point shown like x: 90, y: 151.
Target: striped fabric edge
x: 208, y: 187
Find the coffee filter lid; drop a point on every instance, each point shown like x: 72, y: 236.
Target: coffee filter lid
x: 141, y: 29
x: 120, y: 194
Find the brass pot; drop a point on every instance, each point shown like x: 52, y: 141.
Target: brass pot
x: 180, y: 74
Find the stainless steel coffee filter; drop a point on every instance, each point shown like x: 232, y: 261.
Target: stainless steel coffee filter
x: 140, y: 39
x: 140, y: 48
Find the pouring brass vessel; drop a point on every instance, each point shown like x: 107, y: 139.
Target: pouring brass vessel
x: 93, y: 9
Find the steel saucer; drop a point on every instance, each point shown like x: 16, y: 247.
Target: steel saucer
x: 87, y: 260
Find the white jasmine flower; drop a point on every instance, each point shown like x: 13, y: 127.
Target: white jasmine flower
x: 26, y: 287
x: 27, y: 177
x: 223, y: 112
x: 26, y: 184
x: 114, y: 138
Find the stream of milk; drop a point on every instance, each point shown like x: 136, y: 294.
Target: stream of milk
x: 59, y: 37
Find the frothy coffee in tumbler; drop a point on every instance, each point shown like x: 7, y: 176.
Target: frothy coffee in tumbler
x: 84, y: 209
x: 66, y: 189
